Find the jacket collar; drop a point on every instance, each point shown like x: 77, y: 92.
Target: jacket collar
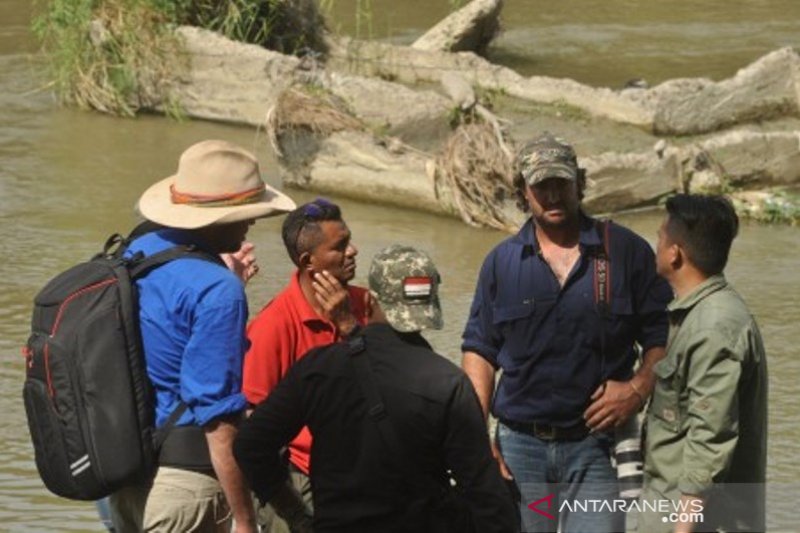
x: 708, y: 287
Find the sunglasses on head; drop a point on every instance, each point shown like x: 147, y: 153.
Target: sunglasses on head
x: 316, y: 209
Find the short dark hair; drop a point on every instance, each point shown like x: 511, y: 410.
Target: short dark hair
x: 301, y: 230
x: 705, y: 226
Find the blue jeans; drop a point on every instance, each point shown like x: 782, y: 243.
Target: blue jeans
x: 573, y: 479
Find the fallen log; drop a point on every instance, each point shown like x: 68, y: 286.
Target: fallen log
x: 470, y: 28
x: 471, y: 176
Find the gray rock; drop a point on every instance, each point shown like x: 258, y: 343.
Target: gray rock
x: 768, y: 88
x: 392, y: 108
x: 98, y: 33
x: 458, y: 89
x: 471, y: 28
x: 617, y: 181
x: 357, y: 165
x: 412, y: 66
x: 231, y: 81
x: 744, y: 159
x: 763, y: 90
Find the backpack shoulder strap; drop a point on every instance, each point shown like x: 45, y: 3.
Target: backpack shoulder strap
x: 376, y: 409
x: 139, y: 266
x: 116, y: 244
x: 448, y: 509
x: 161, y: 433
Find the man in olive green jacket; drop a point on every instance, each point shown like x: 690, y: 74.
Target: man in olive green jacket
x: 706, y: 441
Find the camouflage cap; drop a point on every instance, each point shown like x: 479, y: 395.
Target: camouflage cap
x: 406, y: 284
x: 547, y: 157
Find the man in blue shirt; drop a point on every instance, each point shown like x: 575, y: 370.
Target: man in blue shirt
x: 559, y: 308
x: 193, y: 313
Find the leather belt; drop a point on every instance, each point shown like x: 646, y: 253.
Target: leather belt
x: 549, y: 432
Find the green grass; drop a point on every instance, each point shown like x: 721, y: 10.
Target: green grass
x: 112, y: 55
x: 783, y: 208
x: 117, y: 55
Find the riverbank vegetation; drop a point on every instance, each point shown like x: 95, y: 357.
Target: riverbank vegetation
x: 117, y: 56
x: 769, y: 207
x: 100, y: 54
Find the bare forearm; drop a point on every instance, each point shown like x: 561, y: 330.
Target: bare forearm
x: 645, y: 379
x: 614, y: 402
x: 220, y: 435
x: 481, y: 374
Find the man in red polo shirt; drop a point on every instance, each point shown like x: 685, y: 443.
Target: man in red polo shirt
x: 316, y: 308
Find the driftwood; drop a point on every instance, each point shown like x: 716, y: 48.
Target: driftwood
x: 470, y: 176
x: 370, y: 132
x: 471, y: 28
x: 239, y: 82
x: 476, y: 170
x: 761, y: 91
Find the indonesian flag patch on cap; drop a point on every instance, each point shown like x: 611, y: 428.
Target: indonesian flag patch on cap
x: 417, y: 288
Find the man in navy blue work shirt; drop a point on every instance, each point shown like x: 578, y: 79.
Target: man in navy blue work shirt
x: 193, y: 313
x: 563, y: 328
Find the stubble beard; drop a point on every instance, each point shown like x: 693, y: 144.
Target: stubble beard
x: 570, y: 219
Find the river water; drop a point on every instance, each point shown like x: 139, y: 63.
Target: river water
x: 70, y: 178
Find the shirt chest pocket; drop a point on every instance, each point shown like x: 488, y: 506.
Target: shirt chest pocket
x: 515, y: 324
x: 505, y: 314
x: 666, y: 397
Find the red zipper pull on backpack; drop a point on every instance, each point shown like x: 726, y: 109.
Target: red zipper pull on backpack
x: 27, y: 353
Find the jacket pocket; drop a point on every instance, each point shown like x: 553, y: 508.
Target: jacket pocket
x: 665, y: 403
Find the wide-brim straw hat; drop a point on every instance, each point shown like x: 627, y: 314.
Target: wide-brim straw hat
x: 217, y: 182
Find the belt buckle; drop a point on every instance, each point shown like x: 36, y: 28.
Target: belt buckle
x: 544, y: 432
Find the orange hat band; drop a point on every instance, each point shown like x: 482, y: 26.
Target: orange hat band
x: 217, y: 200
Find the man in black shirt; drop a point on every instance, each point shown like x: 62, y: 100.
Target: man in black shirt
x: 392, y: 422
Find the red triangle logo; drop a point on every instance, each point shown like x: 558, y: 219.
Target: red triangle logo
x: 549, y: 499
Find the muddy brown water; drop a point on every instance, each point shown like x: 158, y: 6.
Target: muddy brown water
x: 69, y: 178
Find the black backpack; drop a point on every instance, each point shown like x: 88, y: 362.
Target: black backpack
x: 88, y: 399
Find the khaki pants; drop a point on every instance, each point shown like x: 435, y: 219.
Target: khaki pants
x: 126, y: 507
x: 179, y: 500
x: 268, y: 519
